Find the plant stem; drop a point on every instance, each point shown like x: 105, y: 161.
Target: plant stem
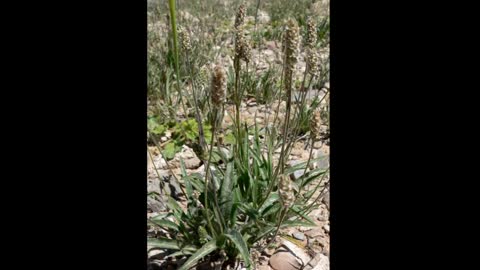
x: 201, y: 134
x: 173, y: 20
x: 207, y: 171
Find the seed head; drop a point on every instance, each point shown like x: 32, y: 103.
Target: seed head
x: 242, y: 46
x: 240, y: 18
x: 219, y: 86
x: 185, y: 39
x: 311, y: 40
x: 315, y: 124
x: 291, y: 44
x: 286, y: 191
x: 312, y: 61
x: 202, y: 77
x: 291, y: 52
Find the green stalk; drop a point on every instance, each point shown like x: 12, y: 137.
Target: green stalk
x: 173, y: 22
x: 207, y: 171
x: 201, y: 133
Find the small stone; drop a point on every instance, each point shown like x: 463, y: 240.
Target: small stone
x: 154, y: 186
x: 284, y: 260
x: 264, y: 267
x: 319, y: 262
x: 297, y: 252
x: 327, y: 85
x: 314, y: 233
x: 299, y: 236
x: 163, y: 139
x: 326, y: 227
x: 156, y: 205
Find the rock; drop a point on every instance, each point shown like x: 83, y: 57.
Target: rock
x: 263, y: 267
x: 297, y: 251
x: 284, y: 260
x: 154, y: 186
x: 163, y: 139
x: 189, y: 158
x: 326, y: 227
x: 315, y: 233
x: 156, y: 205
x: 298, y: 235
x: 319, y: 262
x: 327, y: 85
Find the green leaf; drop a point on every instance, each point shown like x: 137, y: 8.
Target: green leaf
x: 162, y: 222
x: 264, y: 231
x: 229, y: 138
x: 196, y: 180
x: 299, y: 212
x: 159, y: 130
x: 199, y: 254
x: 275, y: 208
x: 177, y: 210
x: 169, y: 151
x: 237, y: 239
x: 272, y: 198
x: 182, y: 252
x: 311, y: 176
x: 152, y: 124
x: 162, y: 243
x: 188, y: 185
x: 294, y: 223
x: 226, y: 191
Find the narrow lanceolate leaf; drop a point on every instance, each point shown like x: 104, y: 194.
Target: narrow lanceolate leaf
x: 164, y: 223
x: 295, y: 223
x: 237, y: 239
x: 272, y: 198
x: 226, y: 191
x: 302, y: 165
x: 180, y: 253
x: 199, y: 254
x: 188, y: 185
x: 162, y: 243
x: 264, y: 232
x: 299, y: 212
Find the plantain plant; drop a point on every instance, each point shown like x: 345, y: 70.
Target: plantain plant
x: 246, y: 194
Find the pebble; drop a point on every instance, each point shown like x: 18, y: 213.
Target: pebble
x: 299, y: 236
